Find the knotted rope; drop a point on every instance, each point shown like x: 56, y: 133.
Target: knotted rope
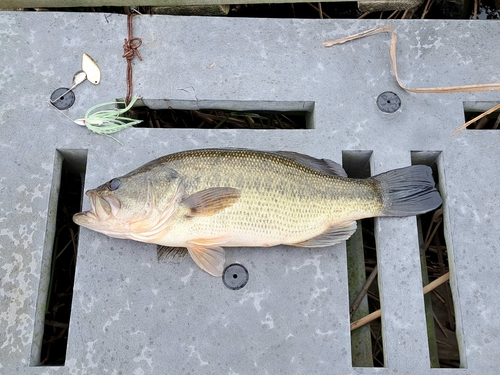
x: 130, y: 49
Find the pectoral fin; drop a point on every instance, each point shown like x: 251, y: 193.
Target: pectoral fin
x: 208, y: 255
x: 210, y: 201
x: 331, y: 236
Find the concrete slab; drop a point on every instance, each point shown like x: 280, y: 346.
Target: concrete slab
x: 132, y: 314
x: 375, y: 5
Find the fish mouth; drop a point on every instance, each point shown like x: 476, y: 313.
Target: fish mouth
x: 103, y: 208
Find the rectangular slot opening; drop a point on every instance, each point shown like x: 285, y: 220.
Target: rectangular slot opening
x: 223, y: 115
x: 59, y: 261
x: 364, y: 299
x: 489, y: 122
x: 439, y: 304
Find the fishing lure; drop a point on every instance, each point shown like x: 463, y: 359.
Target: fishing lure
x: 108, y: 121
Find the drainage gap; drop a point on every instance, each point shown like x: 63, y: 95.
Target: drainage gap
x: 62, y: 261
x: 439, y: 305
x: 489, y: 122
x: 219, y: 119
x: 366, y: 341
x: 223, y: 115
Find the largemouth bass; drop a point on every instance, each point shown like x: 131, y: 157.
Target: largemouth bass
x: 204, y: 200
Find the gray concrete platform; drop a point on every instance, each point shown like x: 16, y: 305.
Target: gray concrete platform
x: 133, y: 315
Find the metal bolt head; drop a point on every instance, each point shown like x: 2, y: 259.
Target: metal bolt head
x: 388, y: 102
x: 62, y: 102
x: 235, y: 276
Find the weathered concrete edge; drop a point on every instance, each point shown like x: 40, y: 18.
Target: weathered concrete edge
x: 15, y: 4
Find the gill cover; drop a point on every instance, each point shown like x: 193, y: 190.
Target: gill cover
x: 138, y: 203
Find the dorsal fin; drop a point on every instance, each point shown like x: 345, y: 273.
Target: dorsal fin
x: 324, y: 166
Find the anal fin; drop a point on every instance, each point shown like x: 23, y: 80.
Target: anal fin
x: 332, y: 236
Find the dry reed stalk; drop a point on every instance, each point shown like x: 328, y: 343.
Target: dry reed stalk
x: 427, y: 8
x: 378, y: 313
x: 437, y: 90
x: 497, y: 122
x: 363, y: 291
x: 445, y: 89
x: 491, y: 110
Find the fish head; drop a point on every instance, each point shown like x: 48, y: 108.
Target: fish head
x: 139, y: 202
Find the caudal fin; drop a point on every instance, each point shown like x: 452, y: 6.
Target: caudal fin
x: 408, y: 191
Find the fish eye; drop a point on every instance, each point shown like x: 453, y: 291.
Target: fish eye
x: 114, y: 184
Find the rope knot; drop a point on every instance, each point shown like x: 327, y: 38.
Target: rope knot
x: 131, y: 48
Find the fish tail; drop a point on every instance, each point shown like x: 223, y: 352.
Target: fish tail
x: 408, y: 191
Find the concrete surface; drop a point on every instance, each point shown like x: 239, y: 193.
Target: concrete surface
x: 133, y: 315
x: 375, y: 5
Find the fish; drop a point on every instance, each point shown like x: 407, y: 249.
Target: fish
x: 206, y: 200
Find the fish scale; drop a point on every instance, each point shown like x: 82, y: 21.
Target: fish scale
x: 296, y: 201
x: 204, y: 200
